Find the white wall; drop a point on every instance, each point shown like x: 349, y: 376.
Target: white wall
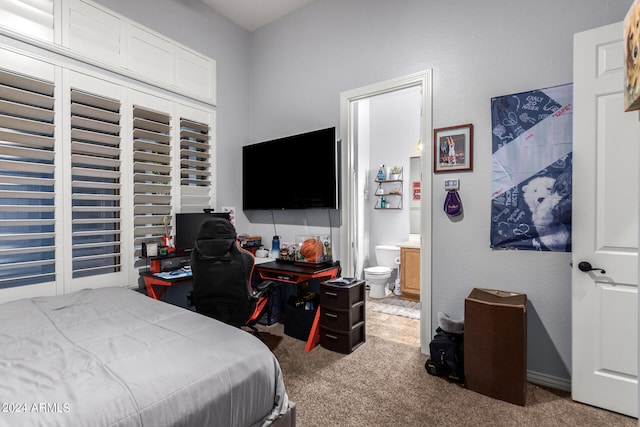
x: 477, y: 50
x: 394, y: 133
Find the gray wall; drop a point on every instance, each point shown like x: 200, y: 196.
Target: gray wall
x: 287, y: 77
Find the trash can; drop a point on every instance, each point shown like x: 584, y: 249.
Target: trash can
x: 495, y: 344
x: 298, y: 322
x: 299, y: 316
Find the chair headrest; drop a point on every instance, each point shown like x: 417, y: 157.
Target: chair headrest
x: 216, y: 237
x: 214, y: 248
x: 216, y: 228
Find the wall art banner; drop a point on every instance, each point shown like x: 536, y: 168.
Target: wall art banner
x: 532, y: 148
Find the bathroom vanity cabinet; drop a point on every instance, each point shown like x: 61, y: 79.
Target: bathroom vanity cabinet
x: 342, y: 316
x: 410, y: 272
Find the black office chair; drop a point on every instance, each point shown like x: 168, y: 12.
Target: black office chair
x: 222, y: 271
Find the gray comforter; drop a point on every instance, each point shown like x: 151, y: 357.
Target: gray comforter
x: 114, y: 357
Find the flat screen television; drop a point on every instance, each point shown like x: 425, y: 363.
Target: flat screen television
x: 294, y: 172
x: 187, y: 226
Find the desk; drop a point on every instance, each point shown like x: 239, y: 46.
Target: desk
x: 295, y: 273
x: 157, y: 286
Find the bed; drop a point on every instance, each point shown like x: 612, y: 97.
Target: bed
x: 114, y: 357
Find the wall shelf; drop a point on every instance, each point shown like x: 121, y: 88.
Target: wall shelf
x: 389, y: 193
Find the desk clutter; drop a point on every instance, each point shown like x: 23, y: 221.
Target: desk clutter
x: 174, y: 274
x: 168, y: 263
x: 314, y: 250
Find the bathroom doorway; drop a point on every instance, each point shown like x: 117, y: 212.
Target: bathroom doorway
x: 363, y: 150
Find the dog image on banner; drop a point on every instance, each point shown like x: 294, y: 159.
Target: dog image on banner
x: 532, y: 164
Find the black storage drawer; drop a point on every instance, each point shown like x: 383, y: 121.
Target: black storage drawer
x: 342, y: 341
x: 341, y: 297
x: 342, y: 316
x: 342, y: 320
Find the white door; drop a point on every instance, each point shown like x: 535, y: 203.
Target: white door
x: 605, y: 227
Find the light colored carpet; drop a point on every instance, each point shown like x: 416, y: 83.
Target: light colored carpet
x: 384, y: 384
x: 395, y: 306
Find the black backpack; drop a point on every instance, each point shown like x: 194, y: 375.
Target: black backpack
x: 447, y: 356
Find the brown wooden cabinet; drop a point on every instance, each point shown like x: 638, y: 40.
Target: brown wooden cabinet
x: 342, y: 316
x: 410, y: 273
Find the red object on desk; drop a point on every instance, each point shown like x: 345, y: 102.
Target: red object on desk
x: 296, y: 273
x: 157, y: 286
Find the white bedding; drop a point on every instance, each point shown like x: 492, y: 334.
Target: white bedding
x: 114, y: 357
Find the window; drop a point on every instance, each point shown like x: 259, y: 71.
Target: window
x: 27, y: 181
x: 194, y: 154
x: 151, y: 174
x: 95, y: 156
x: 96, y: 184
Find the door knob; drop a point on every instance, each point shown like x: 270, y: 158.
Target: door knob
x: 586, y: 266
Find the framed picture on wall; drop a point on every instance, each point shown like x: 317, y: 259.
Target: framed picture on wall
x: 453, y: 149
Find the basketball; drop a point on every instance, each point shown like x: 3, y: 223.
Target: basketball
x: 312, y: 250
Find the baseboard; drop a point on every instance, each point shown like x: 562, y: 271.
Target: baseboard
x: 549, y: 381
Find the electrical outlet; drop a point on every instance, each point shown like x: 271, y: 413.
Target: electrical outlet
x: 451, y: 184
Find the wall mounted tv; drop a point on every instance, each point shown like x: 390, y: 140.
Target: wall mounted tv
x: 295, y: 172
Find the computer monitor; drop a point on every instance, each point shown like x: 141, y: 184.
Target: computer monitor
x: 187, y: 226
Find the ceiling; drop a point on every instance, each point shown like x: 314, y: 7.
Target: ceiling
x: 253, y: 14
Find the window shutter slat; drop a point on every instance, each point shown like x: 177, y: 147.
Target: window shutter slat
x: 96, y: 137
x: 194, y: 144
x: 27, y: 139
x: 103, y: 150
x: 96, y: 125
x: 30, y: 111
x: 28, y: 97
x: 30, y: 84
x: 151, y: 146
x: 26, y: 125
x: 31, y: 181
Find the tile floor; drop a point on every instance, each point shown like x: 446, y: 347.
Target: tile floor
x: 393, y: 328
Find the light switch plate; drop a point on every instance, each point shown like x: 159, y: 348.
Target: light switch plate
x: 451, y: 184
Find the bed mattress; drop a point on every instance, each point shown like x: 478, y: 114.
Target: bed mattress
x: 114, y: 357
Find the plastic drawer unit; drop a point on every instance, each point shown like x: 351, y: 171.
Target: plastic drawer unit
x: 342, y: 316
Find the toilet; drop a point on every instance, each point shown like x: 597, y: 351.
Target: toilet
x: 387, y: 258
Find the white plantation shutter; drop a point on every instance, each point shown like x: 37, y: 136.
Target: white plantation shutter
x: 96, y: 182
x: 95, y: 156
x: 31, y: 17
x: 152, y: 174
x: 27, y: 197
x: 194, y: 154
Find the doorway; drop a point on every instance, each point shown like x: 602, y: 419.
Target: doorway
x: 353, y: 178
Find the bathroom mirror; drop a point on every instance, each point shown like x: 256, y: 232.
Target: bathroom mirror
x: 414, y: 195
